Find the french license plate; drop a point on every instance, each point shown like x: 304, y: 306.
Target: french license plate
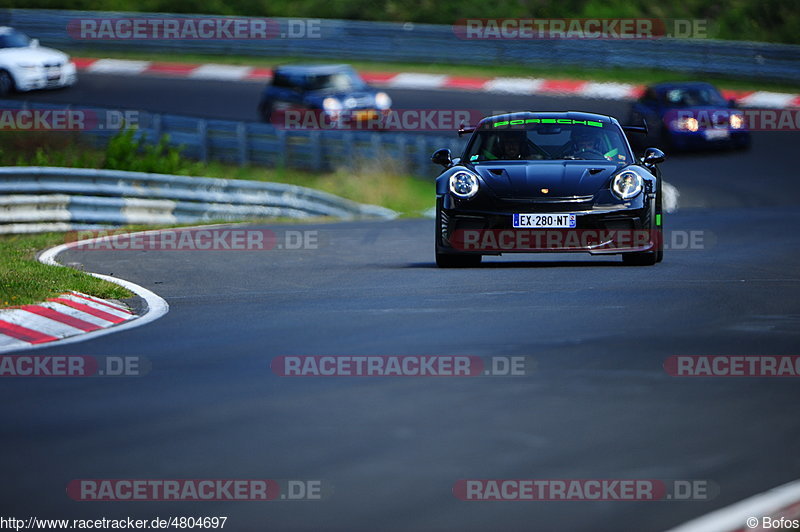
x: 716, y: 134
x: 547, y: 221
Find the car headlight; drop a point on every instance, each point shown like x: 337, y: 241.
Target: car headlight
x: 627, y: 185
x: 382, y: 101
x: 686, y: 123
x: 464, y: 185
x: 736, y: 121
x: 331, y: 104
x: 27, y: 65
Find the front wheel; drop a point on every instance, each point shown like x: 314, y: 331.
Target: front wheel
x: 451, y: 260
x: 644, y: 258
x: 265, y: 110
x: 448, y: 260
x: 649, y: 258
x: 659, y: 229
x: 6, y: 83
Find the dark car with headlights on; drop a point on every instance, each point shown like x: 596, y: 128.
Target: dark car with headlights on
x: 690, y: 115
x: 548, y: 182
x: 334, y: 93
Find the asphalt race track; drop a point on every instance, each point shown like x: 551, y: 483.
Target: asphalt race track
x: 599, y: 404
x: 228, y: 100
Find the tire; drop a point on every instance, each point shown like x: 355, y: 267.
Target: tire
x: 660, y: 229
x: 448, y: 260
x: 265, y: 111
x: 451, y: 260
x: 649, y: 258
x: 6, y: 83
x: 644, y: 258
x: 741, y: 146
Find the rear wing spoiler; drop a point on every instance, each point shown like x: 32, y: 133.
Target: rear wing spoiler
x: 637, y: 129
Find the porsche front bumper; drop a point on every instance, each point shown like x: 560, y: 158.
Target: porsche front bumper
x: 611, y: 230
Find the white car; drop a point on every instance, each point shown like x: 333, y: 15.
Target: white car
x: 25, y: 66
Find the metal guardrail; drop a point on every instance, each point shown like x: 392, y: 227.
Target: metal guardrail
x: 35, y: 199
x: 428, y: 43
x: 247, y: 143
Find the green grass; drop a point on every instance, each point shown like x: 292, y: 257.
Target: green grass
x: 24, y: 280
x: 400, y: 193
x: 34, y: 148
x: 380, y: 184
x: 622, y: 75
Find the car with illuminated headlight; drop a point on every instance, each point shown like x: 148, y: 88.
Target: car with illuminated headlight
x: 26, y: 66
x: 333, y: 93
x: 690, y: 115
x: 531, y: 182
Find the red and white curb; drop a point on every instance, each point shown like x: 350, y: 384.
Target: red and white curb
x: 749, y: 514
x: 70, y: 314
x: 73, y: 317
x: 411, y: 80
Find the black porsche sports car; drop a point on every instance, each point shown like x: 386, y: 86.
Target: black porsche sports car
x: 548, y: 182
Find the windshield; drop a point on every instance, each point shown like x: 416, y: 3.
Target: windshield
x: 340, y: 81
x: 570, y: 140
x: 14, y: 39
x: 692, y: 97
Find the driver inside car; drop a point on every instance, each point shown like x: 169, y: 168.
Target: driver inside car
x: 586, y: 142
x: 508, y: 147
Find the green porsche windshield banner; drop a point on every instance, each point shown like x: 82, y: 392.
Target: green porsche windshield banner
x: 566, y: 121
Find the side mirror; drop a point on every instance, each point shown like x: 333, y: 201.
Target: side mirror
x: 442, y: 157
x: 34, y: 43
x: 653, y: 156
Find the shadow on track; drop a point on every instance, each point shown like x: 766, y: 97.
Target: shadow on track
x: 525, y: 264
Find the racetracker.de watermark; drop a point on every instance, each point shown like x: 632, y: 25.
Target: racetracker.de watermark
x: 579, y: 28
x: 73, y: 366
x: 196, y: 490
x: 401, y: 366
x: 542, y: 240
x: 375, y: 119
x: 692, y: 120
x: 67, y: 119
x: 584, y: 490
x: 191, y: 28
x: 194, y: 239
x: 733, y: 366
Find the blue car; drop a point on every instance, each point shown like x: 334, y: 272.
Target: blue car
x: 333, y: 93
x: 690, y: 115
